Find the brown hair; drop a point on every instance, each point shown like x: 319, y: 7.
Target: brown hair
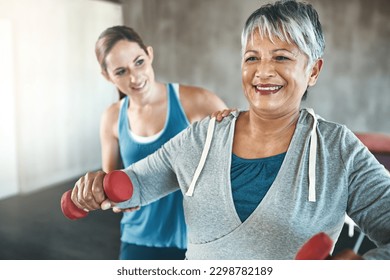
x: 109, y: 37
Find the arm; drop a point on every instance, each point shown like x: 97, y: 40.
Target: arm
x: 369, y: 195
x: 109, y: 139
x: 155, y: 176
x: 88, y: 193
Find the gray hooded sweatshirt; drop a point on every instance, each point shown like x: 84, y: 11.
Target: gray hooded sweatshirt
x: 327, y: 173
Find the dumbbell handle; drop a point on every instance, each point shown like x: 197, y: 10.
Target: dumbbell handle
x: 117, y: 187
x: 316, y: 248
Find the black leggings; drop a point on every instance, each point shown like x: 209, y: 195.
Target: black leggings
x: 135, y: 252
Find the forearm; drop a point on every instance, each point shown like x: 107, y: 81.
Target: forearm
x: 147, y: 189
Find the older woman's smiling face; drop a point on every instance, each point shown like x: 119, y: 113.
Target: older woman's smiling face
x: 275, y: 75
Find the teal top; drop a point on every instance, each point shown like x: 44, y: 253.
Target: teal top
x: 160, y: 223
x: 250, y: 180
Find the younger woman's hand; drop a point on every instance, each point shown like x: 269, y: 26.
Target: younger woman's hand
x: 125, y: 210
x: 219, y: 115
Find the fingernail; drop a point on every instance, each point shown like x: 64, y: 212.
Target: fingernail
x: 86, y: 210
x: 106, y: 205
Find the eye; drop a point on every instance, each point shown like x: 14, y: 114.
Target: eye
x: 139, y: 62
x: 281, y: 58
x: 120, y: 72
x: 251, y: 59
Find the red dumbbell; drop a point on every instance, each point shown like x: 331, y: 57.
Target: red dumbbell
x: 117, y: 187
x: 316, y: 248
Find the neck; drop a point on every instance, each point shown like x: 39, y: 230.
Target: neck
x: 271, y: 136
x: 154, y: 94
x: 269, y: 128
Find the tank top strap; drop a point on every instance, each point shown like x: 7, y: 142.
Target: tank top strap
x: 176, y: 111
x: 123, y: 122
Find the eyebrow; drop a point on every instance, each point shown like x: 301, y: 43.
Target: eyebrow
x: 273, y: 51
x: 135, y: 59
x: 121, y: 67
x: 286, y: 50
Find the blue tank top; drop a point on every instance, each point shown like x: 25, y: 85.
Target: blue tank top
x: 161, y: 223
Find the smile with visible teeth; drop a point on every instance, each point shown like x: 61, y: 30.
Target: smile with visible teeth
x: 269, y: 88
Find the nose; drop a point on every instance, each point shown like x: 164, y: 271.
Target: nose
x: 265, y: 69
x: 134, y: 77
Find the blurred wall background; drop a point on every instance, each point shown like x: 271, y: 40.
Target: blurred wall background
x: 198, y: 42
x: 51, y: 90
x: 52, y: 93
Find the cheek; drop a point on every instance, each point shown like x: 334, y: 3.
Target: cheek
x: 245, y: 74
x: 148, y: 69
x: 121, y: 83
x: 245, y: 81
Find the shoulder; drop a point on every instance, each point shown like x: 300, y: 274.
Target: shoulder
x: 325, y: 126
x: 199, y: 102
x: 191, y: 93
x: 111, y: 113
x: 336, y: 138
x: 201, y: 127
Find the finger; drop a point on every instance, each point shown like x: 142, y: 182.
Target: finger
x: 116, y: 210
x: 106, y: 204
x: 127, y: 210
x: 228, y: 111
x: 215, y: 114
x: 89, y: 200
x: 219, y: 116
x: 122, y: 210
x: 74, y: 196
x: 97, y: 188
x: 225, y: 113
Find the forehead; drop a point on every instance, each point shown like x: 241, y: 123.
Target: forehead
x: 258, y: 41
x: 123, y: 52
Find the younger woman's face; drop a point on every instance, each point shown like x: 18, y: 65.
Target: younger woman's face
x: 129, y: 67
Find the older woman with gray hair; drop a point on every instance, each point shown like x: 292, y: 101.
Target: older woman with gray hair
x: 264, y: 180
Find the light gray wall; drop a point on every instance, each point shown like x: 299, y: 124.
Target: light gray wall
x: 52, y: 94
x: 198, y: 42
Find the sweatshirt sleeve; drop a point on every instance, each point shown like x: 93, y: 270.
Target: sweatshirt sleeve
x: 154, y: 177
x: 369, y: 195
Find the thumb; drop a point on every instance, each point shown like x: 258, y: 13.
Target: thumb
x: 106, y: 204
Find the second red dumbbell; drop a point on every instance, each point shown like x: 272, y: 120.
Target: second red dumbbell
x: 117, y: 187
x: 316, y: 248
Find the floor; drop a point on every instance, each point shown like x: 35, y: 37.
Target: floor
x: 34, y: 228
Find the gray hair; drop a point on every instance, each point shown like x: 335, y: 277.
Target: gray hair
x: 290, y: 21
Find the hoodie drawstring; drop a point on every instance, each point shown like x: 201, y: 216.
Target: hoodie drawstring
x: 312, y: 158
x: 206, y: 148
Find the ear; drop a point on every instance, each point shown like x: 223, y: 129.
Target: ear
x: 150, y: 53
x: 315, y: 72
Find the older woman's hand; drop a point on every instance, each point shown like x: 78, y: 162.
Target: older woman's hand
x: 88, y: 192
